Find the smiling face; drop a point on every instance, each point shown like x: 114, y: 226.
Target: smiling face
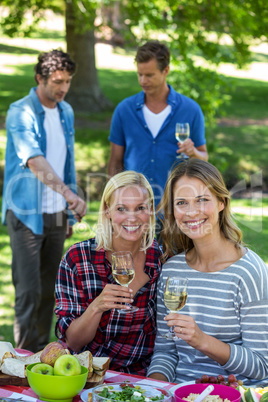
x: 54, y: 89
x: 129, y: 212
x: 151, y: 79
x: 196, y: 208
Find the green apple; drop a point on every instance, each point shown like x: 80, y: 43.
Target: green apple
x: 67, y: 365
x: 42, y: 368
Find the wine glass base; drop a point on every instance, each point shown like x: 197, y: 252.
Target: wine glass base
x: 169, y: 336
x: 129, y: 310
x: 182, y: 157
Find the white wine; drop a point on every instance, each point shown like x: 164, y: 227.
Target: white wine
x: 181, y: 137
x: 175, y: 302
x: 123, y: 276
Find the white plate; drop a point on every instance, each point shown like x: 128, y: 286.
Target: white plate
x: 149, y: 393
x: 173, y: 389
x: 85, y: 393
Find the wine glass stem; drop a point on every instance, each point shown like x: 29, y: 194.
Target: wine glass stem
x: 171, y: 329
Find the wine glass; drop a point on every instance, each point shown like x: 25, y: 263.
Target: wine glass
x: 123, y: 272
x: 182, y: 132
x: 175, y: 297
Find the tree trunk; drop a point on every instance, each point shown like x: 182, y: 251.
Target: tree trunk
x: 85, y: 94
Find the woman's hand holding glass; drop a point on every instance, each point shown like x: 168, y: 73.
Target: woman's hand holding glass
x: 124, y: 273
x: 175, y: 297
x: 111, y: 297
x: 185, y: 327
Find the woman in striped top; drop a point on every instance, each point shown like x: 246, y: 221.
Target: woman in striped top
x: 223, y: 328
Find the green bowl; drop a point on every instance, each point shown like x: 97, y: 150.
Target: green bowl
x: 56, y: 388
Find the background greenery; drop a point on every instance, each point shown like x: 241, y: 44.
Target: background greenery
x: 237, y: 145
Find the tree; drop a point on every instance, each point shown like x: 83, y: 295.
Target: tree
x: 201, y: 35
x: 85, y: 94
x: 196, y: 32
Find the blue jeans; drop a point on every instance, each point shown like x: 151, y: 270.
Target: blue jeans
x: 35, y: 263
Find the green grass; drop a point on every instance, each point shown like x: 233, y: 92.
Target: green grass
x: 238, y: 150
x: 248, y: 98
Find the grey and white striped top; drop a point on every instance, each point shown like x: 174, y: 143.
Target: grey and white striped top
x: 232, y: 306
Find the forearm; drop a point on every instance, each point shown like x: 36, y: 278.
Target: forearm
x: 158, y: 376
x: 83, y: 329
x: 203, y: 155
x: 115, y: 167
x: 40, y: 167
x: 215, y: 349
x: 116, y: 162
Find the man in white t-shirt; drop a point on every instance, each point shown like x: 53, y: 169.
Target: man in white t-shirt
x: 142, y: 131
x: 40, y: 203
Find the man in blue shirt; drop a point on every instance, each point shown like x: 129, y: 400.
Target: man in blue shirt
x: 142, y: 132
x: 39, y: 184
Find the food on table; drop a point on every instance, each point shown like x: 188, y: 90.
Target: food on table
x: 220, y: 379
x: 14, y: 367
x: 262, y: 391
x: 67, y: 365
x: 101, y: 363
x: 13, y: 364
x: 86, y: 359
x: 4, y: 348
x: 51, y: 353
x: 250, y: 395
x: 129, y: 393
x: 264, y: 396
x: 210, y: 398
x: 35, y: 358
x: 43, y: 368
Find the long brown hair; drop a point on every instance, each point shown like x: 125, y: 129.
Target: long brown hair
x: 174, y: 240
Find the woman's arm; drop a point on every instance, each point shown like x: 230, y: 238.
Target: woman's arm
x: 83, y: 329
x: 78, y: 310
x: 186, y: 328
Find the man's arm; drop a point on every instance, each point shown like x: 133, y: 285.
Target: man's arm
x: 190, y: 150
x: 116, y: 162
x: 40, y: 167
x: 200, y: 153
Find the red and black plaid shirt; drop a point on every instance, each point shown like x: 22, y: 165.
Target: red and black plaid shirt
x: 128, y: 339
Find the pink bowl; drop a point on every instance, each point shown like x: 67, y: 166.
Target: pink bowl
x: 222, y: 390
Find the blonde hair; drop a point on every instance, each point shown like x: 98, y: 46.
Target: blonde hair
x: 104, y: 226
x: 174, y: 240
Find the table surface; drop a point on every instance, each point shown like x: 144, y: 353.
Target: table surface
x: 26, y: 393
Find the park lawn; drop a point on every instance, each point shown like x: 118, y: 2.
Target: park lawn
x: 238, y: 150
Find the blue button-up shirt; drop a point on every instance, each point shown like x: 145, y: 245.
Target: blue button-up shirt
x: 26, y: 138
x: 154, y: 157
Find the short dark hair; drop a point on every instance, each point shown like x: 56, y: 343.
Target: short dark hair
x: 154, y: 50
x: 49, y: 62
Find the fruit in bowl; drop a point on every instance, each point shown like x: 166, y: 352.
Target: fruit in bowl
x: 43, y: 368
x: 67, y: 365
x: 51, y: 353
x: 222, y: 391
x: 56, y: 388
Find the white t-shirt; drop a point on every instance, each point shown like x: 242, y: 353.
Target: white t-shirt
x: 155, y: 120
x: 52, y: 201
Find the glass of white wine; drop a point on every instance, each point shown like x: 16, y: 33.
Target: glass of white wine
x: 182, y: 132
x: 175, y: 297
x: 124, y: 272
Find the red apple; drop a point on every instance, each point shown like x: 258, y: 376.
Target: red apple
x: 51, y: 353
